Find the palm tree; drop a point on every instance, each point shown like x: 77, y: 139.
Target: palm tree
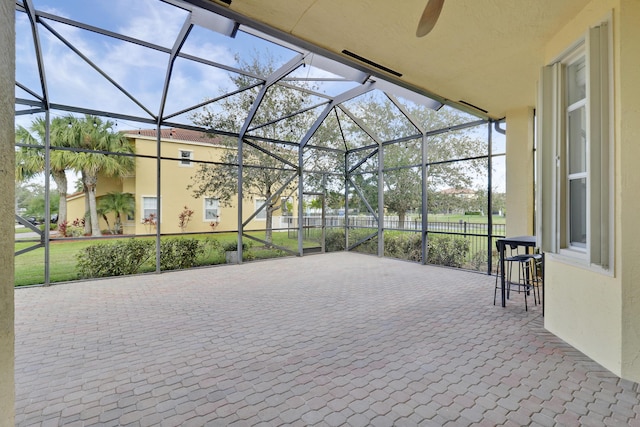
x: 118, y: 203
x: 102, y: 156
x: 30, y: 161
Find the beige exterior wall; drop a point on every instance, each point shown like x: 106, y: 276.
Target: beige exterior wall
x: 519, y: 165
x: 7, y: 232
x: 628, y: 232
x: 174, y: 194
x: 599, y: 312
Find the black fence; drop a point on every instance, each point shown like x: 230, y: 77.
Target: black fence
x: 480, y: 255
x: 392, y: 223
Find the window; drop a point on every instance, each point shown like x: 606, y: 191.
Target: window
x: 263, y: 213
x: 576, y: 147
x: 574, y: 157
x: 211, y: 209
x: 149, y: 207
x: 186, y: 156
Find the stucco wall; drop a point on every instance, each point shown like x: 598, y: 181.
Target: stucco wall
x: 519, y: 164
x: 7, y: 167
x: 583, y: 309
x: 597, y: 312
x: 175, y: 195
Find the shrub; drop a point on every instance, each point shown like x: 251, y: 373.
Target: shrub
x: 369, y: 246
x: 209, y: 247
x: 447, y: 250
x: 247, y: 254
x: 479, y: 260
x: 184, y: 218
x: 62, y: 228
x: 404, y: 246
x: 334, y: 240
x: 127, y: 256
x: 233, y: 246
x: 52, y: 226
x: 176, y: 254
x: 74, y: 229
x: 113, y: 259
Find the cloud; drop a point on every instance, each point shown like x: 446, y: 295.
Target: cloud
x: 139, y: 70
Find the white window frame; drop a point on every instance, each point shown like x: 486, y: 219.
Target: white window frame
x: 262, y: 215
x: 142, y: 210
x: 185, y: 162
x: 578, y: 54
x: 205, y: 208
x: 553, y: 211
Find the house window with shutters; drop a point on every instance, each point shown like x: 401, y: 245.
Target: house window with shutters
x: 575, y: 205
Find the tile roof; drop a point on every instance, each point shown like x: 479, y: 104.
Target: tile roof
x: 177, y: 134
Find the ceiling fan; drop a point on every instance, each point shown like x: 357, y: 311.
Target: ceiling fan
x: 429, y: 17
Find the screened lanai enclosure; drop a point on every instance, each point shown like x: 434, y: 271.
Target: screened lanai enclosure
x: 155, y: 135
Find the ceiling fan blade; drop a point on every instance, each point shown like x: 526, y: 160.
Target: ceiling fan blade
x: 429, y: 17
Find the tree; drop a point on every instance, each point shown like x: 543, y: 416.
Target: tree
x: 499, y: 202
x: 402, y: 172
x: 335, y: 200
x: 265, y: 174
x: 402, y: 189
x: 30, y: 200
x: 30, y: 161
x: 120, y: 204
x: 106, y: 154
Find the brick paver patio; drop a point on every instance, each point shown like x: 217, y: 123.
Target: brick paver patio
x: 337, y: 339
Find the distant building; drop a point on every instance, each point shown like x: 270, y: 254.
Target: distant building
x: 463, y: 193
x: 180, y: 151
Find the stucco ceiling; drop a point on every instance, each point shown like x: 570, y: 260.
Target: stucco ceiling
x: 484, y: 52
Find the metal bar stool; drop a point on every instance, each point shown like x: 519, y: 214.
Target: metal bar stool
x: 523, y: 282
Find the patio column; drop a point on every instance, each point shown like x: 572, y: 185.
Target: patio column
x: 628, y: 180
x: 7, y: 230
x: 519, y: 173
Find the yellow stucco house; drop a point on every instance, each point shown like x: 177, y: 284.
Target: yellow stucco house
x: 181, y: 149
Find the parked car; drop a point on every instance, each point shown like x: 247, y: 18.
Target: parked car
x: 33, y: 220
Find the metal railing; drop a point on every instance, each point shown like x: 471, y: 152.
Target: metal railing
x: 480, y: 255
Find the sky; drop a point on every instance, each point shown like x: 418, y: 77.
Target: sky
x: 139, y: 70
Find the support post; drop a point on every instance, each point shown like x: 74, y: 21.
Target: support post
x: 158, y: 192
x: 346, y: 202
x: 300, y: 202
x: 489, y: 198
x: 47, y: 196
x: 7, y: 228
x: 380, y: 200
x: 424, y: 206
x: 240, y: 199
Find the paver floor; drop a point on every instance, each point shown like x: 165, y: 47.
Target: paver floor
x: 332, y: 340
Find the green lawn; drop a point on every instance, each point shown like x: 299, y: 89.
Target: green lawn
x: 29, y: 267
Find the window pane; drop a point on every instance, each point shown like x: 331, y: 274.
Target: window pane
x: 211, y: 209
x: 263, y: 213
x: 577, y: 81
x: 149, y: 206
x: 578, y: 212
x: 186, y: 157
x: 577, y: 131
